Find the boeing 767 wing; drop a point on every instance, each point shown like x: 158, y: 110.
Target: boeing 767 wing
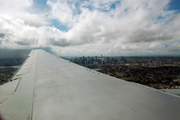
x: 50, y: 88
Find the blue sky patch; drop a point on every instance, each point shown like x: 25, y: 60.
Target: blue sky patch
x: 58, y: 25
x: 40, y: 5
x: 174, y: 5
x: 113, y: 5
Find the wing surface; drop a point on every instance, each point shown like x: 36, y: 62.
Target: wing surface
x: 50, y: 88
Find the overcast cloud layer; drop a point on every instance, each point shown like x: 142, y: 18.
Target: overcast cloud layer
x: 91, y: 27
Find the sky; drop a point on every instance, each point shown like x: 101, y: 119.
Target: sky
x: 91, y: 27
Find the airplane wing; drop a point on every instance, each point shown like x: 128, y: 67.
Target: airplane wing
x: 50, y: 88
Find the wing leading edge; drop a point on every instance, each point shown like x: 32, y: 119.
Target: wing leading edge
x: 50, y: 88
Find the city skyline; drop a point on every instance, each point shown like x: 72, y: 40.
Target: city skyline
x: 91, y: 27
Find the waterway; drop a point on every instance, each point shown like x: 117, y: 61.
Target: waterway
x: 16, y: 66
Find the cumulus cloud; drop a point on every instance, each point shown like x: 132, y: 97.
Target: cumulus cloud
x: 110, y: 27
x: 62, y: 11
x: 22, y: 9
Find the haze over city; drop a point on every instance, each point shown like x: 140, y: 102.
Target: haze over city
x: 91, y: 27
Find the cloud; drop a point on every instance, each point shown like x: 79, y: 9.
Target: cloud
x: 175, y: 47
x: 22, y: 9
x: 14, y: 53
x: 2, y: 35
x: 108, y: 27
x: 62, y: 11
